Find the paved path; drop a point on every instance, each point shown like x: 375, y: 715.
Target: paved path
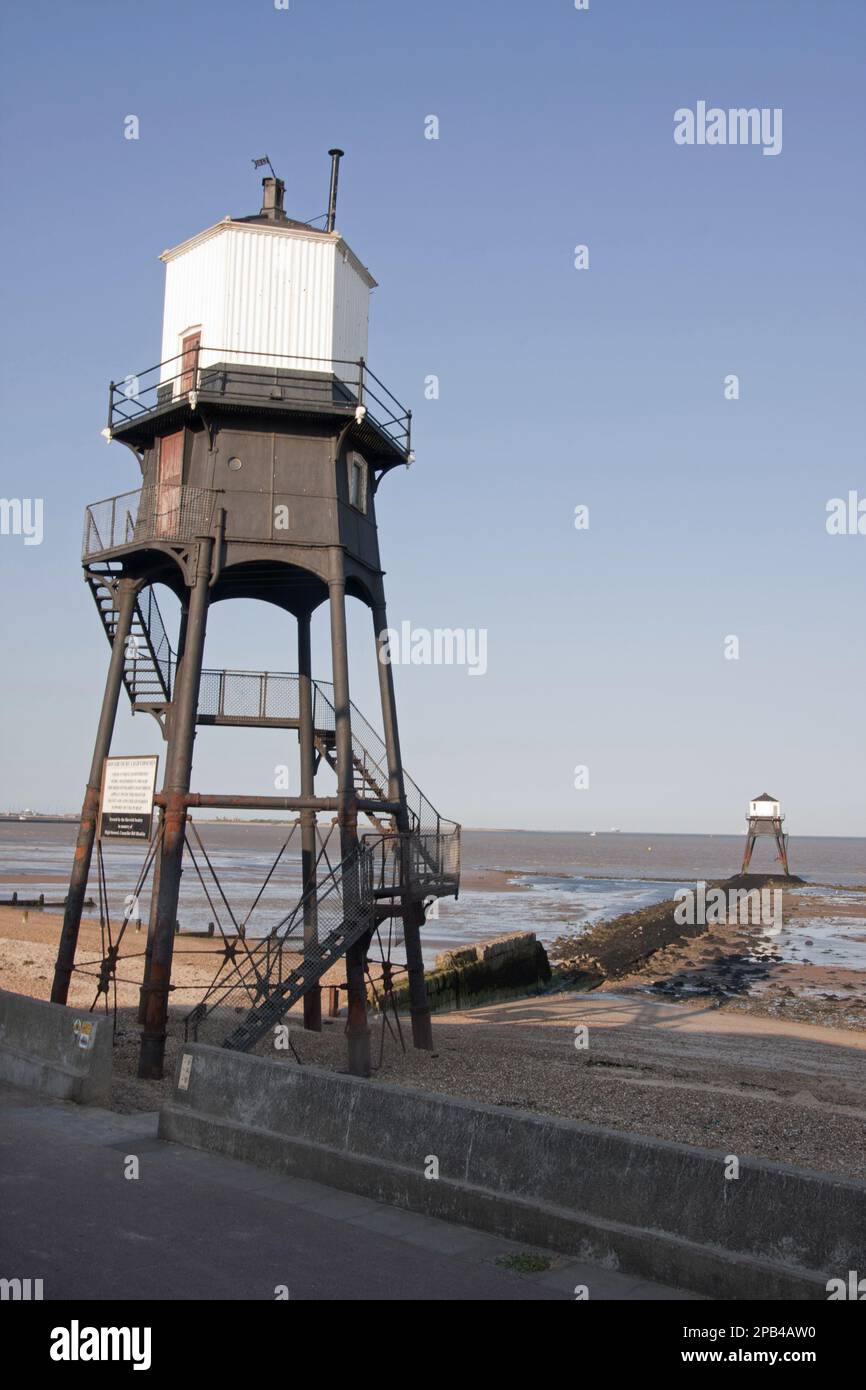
x: 197, y: 1225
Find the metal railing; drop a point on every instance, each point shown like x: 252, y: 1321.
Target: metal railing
x: 244, y: 1004
x: 170, y: 513
x: 416, y: 864
x: 254, y: 695
x: 244, y: 695
x: 159, y: 656
x: 241, y: 695
x: 318, y: 383
x: 262, y: 695
x: 369, y: 749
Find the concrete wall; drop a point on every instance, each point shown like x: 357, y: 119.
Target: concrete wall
x: 65, y: 1053
x: 661, y: 1211
x: 502, y: 967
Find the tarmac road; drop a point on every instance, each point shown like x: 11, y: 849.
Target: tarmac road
x: 196, y: 1225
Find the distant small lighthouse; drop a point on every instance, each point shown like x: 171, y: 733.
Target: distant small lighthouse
x: 765, y: 818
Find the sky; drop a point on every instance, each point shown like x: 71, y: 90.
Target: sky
x: 604, y: 387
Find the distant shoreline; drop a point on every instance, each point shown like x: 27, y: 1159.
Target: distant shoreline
x: 72, y: 817
x: 8, y: 818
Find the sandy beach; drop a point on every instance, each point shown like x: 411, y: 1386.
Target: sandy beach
x: 702, y: 1044
x: 691, y: 1073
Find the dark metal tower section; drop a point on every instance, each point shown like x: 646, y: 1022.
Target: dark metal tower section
x: 259, y: 481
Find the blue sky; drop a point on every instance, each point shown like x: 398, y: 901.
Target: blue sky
x: 558, y: 387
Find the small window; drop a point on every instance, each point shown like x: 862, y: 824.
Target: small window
x: 358, y: 482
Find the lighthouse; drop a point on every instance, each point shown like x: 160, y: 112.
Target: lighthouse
x: 765, y: 818
x: 261, y: 438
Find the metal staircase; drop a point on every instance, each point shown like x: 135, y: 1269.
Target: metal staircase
x: 364, y: 780
x: 246, y: 1001
x: 278, y: 969
x: 265, y: 977
x: 148, y: 672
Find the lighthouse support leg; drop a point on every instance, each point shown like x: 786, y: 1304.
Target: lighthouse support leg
x: 781, y: 846
x: 154, y: 888
x: 357, y: 1029
x: 178, y: 771
x: 413, y: 910
x: 126, y: 594
x: 747, y: 852
x: 307, y: 747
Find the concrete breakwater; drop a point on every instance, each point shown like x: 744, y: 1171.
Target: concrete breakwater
x: 501, y: 967
x: 610, y: 950
x: 515, y: 963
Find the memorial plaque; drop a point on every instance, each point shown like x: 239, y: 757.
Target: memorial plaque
x: 126, y: 804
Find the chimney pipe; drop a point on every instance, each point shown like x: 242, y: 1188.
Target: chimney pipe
x: 336, y: 156
x: 273, y: 193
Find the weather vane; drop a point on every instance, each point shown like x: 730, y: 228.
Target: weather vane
x: 258, y: 163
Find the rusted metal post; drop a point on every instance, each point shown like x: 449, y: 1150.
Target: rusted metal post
x: 181, y: 646
x: 413, y: 909
x: 782, y: 847
x: 357, y: 1029
x: 151, y: 923
x: 125, y: 597
x: 307, y: 748
x: 178, y: 771
x: 154, y: 889
x: 747, y: 853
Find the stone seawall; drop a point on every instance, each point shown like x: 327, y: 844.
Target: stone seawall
x: 502, y: 967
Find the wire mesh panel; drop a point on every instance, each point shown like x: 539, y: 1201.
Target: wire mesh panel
x: 248, y: 695
x: 160, y: 649
x: 242, y: 694
x: 280, y: 696
x: 416, y: 865
x: 151, y: 513
x: 324, y: 715
x: 209, y: 693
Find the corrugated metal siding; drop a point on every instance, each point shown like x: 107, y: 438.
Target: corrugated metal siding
x: 279, y: 297
x: 351, y: 311
x: 261, y: 292
x: 195, y: 296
